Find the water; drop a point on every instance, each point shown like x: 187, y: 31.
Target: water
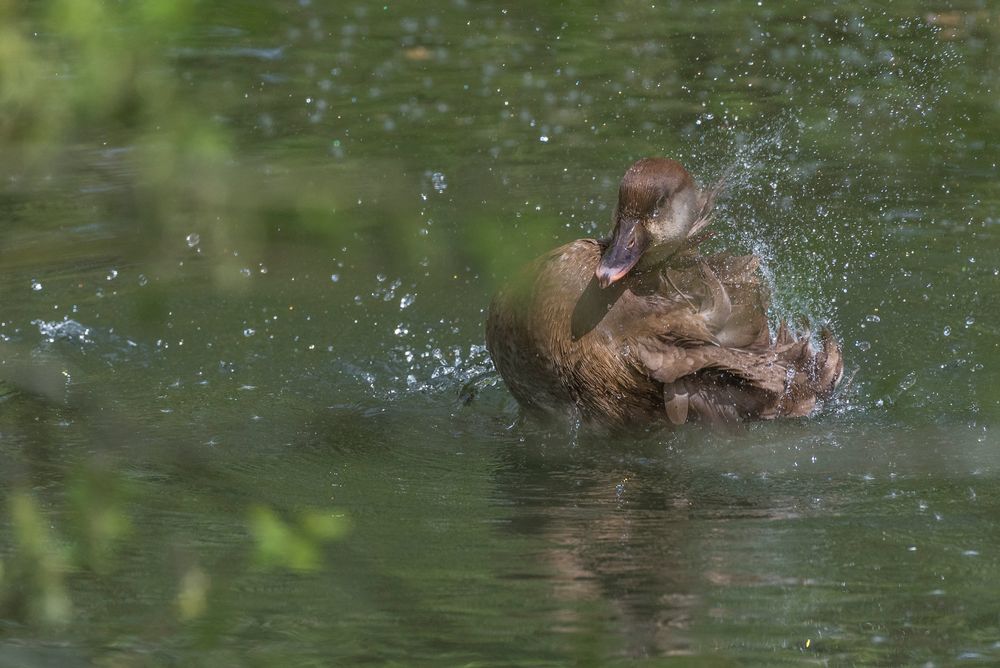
x: 246, y: 415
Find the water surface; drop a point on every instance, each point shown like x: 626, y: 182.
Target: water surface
x: 245, y: 257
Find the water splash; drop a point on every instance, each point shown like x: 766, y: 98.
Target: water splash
x: 64, y: 330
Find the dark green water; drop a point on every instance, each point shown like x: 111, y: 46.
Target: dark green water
x: 244, y: 259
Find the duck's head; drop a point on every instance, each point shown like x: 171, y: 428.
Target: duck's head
x: 658, y: 203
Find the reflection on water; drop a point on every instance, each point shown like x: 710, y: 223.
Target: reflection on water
x: 246, y: 413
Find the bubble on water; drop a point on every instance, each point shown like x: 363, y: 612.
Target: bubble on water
x: 335, y: 277
x: 193, y: 239
x: 909, y: 380
x: 969, y: 321
x: 405, y: 301
x: 36, y: 286
x: 872, y: 318
x: 863, y: 346
x: 544, y: 139
x: 143, y: 280
x: 946, y: 331
x: 249, y: 331
x: 112, y: 275
x: 245, y: 272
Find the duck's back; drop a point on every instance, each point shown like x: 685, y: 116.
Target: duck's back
x: 549, y: 336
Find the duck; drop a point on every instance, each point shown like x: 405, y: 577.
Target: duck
x: 643, y: 329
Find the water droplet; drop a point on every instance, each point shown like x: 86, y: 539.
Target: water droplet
x: 245, y: 272
x: 335, y: 277
x: 193, y: 239
x: 112, y: 275
x: 439, y: 182
x: 36, y: 286
x: 143, y: 280
x: 969, y: 321
x: 946, y: 331
x: 909, y: 380
x: 249, y: 331
x: 406, y: 300
x: 863, y: 346
x: 544, y: 139
x: 872, y: 318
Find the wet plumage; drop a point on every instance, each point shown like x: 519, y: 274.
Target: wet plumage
x: 642, y: 328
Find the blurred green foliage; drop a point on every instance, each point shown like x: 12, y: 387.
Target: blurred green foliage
x: 192, y: 595
x: 78, y: 78
x: 72, y: 69
x: 97, y: 500
x: 34, y: 586
x: 294, y: 546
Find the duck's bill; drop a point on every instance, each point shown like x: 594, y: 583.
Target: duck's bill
x: 622, y: 254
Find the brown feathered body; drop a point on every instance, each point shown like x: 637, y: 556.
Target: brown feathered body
x: 685, y: 339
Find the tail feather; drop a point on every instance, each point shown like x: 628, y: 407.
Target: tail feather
x: 829, y: 365
x: 811, y: 375
x: 784, y: 335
